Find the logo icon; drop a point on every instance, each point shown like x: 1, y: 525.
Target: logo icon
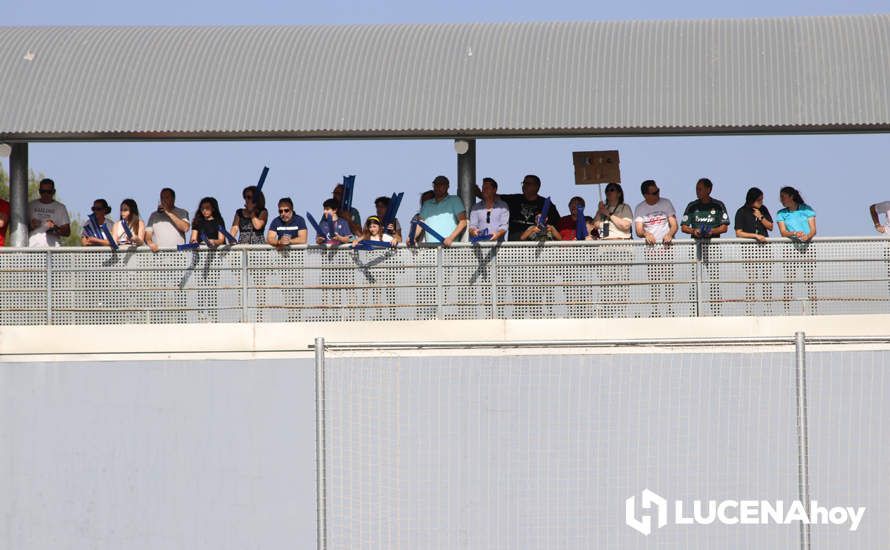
x: 648, y: 500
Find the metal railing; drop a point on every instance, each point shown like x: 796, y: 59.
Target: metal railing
x: 598, y: 279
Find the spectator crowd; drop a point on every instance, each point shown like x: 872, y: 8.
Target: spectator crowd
x: 442, y: 218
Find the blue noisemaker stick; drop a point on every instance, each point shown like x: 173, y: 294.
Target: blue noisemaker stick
x: 411, y: 232
x: 228, y: 235
x: 126, y: 227
x: 392, y: 209
x: 348, y: 185
x: 581, y: 225
x: 545, y: 212
x: 205, y: 240
x: 187, y: 246
x: 431, y: 231
x: 705, y: 229
x: 94, y: 223
x: 109, y: 237
x: 371, y: 245
x: 484, y: 235
x: 259, y: 184
x: 317, y: 227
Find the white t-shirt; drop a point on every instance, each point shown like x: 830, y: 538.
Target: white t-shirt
x: 655, y: 217
x: 883, y: 208
x: 54, y: 211
x: 163, y: 232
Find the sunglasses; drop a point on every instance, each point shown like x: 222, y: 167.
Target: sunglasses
x: 47, y: 191
x: 283, y: 210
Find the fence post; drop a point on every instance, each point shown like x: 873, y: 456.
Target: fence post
x: 49, y: 288
x: 440, y: 276
x: 320, y: 479
x: 698, y: 277
x: 244, y: 287
x: 493, y: 280
x: 803, y: 469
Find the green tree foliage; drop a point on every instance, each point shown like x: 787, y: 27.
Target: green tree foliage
x: 33, y: 182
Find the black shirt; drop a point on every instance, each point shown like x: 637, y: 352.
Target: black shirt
x: 523, y: 212
x: 745, y: 220
x: 210, y: 228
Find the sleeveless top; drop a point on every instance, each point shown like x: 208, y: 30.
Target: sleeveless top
x: 247, y: 234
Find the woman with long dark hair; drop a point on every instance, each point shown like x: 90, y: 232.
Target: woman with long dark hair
x: 797, y: 221
x: 207, y: 221
x: 130, y: 214
x: 250, y: 221
x: 753, y: 220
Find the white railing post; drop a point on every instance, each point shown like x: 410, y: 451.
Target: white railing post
x: 320, y: 473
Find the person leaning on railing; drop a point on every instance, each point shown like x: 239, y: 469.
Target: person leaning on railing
x: 288, y: 228
x: 130, y: 214
x: 705, y: 217
x: 167, y: 225
x: 655, y: 217
x: 567, y: 226
x: 88, y: 236
x: 797, y: 221
x: 753, y: 220
x: 250, y: 221
x: 206, y: 223
x: 614, y: 218
x: 393, y: 228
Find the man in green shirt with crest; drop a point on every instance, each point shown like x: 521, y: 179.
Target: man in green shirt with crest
x: 705, y: 217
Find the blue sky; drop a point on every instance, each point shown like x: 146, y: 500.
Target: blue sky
x: 839, y: 175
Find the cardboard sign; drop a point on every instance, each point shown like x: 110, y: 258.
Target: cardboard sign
x: 596, y: 167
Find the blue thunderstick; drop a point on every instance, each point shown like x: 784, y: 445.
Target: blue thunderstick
x: 94, y: 224
x: 545, y: 212
x: 317, y: 227
x: 392, y: 209
x: 483, y: 235
x: 348, y: 185
x: 431, y: 231
x: 108, y: 236
x: 187, y: 246
x: 412, y: 231
x: 259, y: 185
x: 372, y: 245
x: 581, y: 225
x: 228, y: 236
x: 126, y: 227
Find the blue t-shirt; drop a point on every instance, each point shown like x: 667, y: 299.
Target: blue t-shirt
x: 293, y: 227
x: 798, y: 220
x: 441, y: 216
x: 339, y: 227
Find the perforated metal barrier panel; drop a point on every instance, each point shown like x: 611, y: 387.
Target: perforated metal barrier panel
x: 573, y: 280
x: 542, y: 451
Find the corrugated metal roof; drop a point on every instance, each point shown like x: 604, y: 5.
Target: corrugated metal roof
x: 556, y: 78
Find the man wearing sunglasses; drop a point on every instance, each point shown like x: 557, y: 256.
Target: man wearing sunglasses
x: 655, y: 218
x: 288, y: 228
x: 490, y: 214
x: 49, y: 218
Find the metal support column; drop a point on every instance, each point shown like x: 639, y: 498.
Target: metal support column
x: 803, y: 452
x: 320, y: 486
x: 18, y: 195
x: 466, y: 175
